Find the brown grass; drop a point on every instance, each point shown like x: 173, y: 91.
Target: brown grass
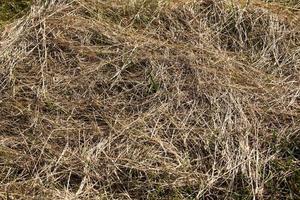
x: 150, y: 100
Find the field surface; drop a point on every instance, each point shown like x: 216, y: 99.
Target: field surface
x: 149, y: 99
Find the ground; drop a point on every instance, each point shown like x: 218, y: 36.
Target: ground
x: 132, y: 99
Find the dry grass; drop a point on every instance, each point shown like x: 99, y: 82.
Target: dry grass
x: 150, y: 100
x: 12, y: 9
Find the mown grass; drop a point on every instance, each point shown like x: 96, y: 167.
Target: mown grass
x: 149, y: 99
x: 285, y: 2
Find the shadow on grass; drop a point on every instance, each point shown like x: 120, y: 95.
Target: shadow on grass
x: 12, y: 9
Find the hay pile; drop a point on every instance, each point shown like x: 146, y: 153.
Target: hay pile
x: 150, y: 100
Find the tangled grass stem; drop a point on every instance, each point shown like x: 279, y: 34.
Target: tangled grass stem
x: 130, y: 99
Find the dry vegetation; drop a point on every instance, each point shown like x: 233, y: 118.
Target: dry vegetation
x: 12, y: 9
x: 148, y: 99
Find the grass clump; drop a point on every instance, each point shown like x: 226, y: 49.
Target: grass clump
x: 149, y: 100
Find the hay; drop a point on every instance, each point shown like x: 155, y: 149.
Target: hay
x: 149, y: 100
